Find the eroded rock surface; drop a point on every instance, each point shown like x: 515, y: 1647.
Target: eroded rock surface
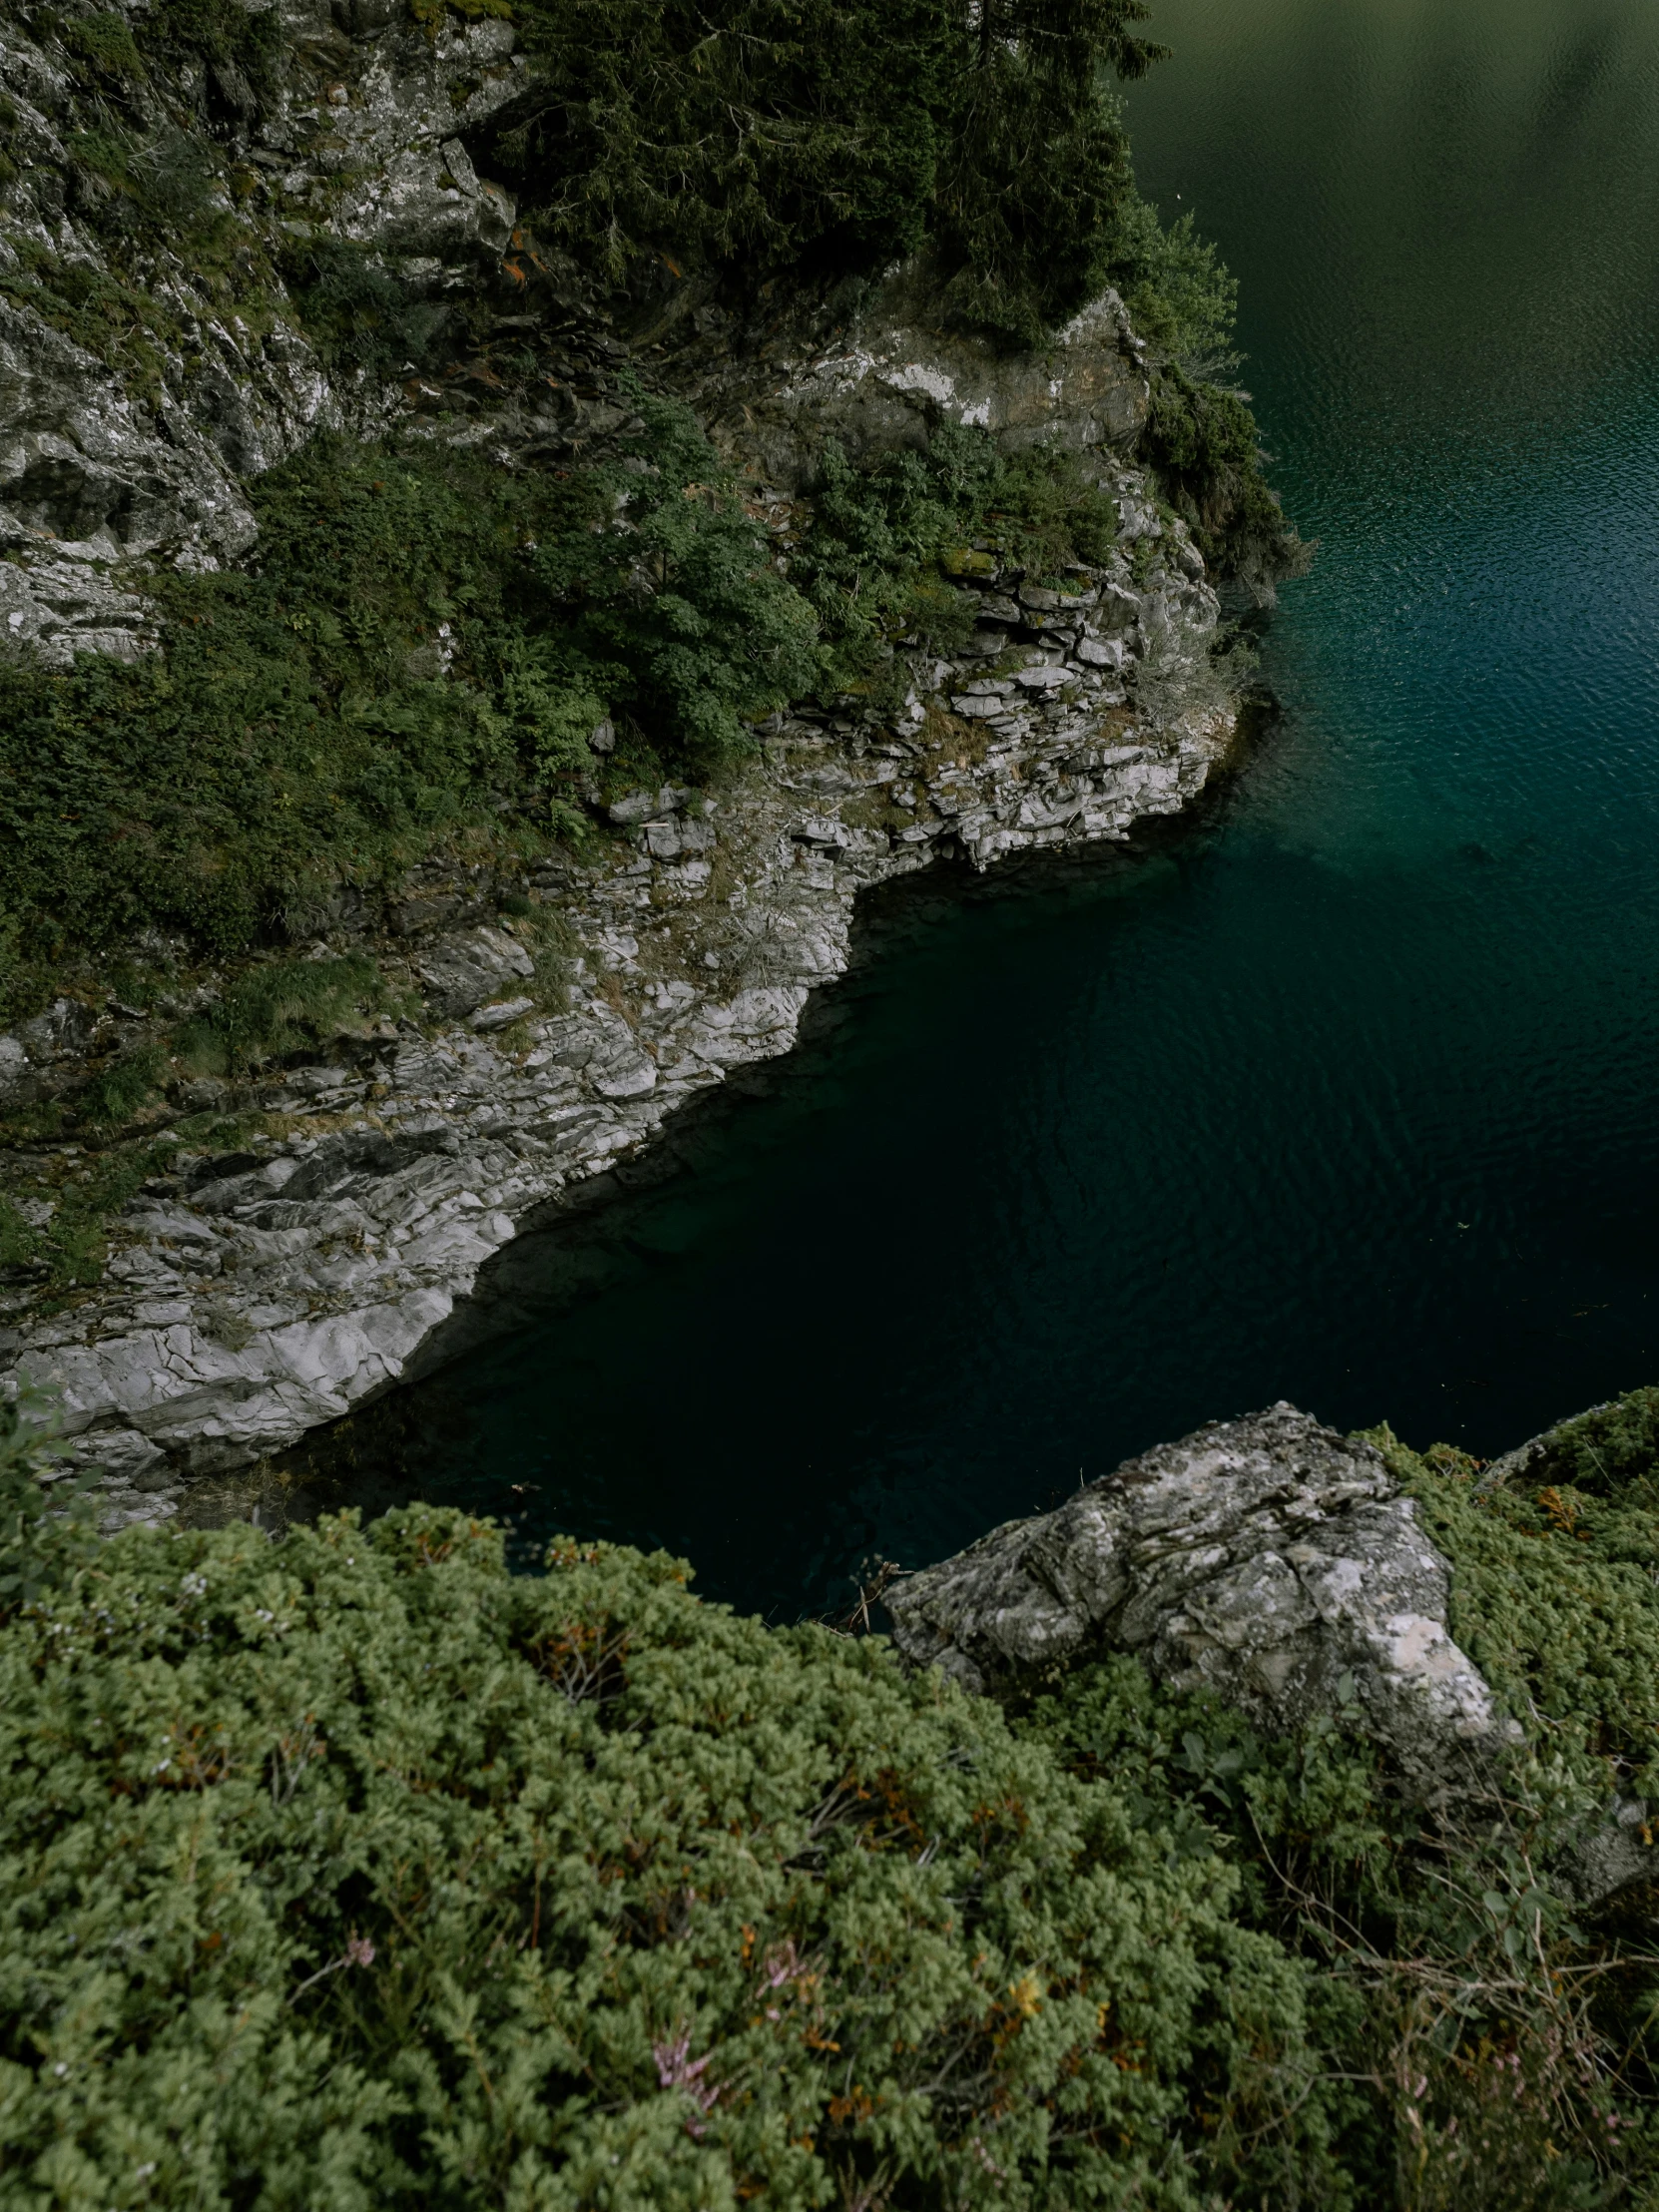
x: 890, y: 367
x: 1266, y: 1559
x: 253, y: 1297
x: 247, y: 1300
x: 102, y: 478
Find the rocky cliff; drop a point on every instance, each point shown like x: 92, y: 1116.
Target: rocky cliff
x: 148, y: 374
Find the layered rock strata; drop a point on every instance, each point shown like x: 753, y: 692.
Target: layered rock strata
x: 249, y: 1297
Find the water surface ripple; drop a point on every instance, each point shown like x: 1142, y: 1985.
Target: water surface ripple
x: 1346, y: 1097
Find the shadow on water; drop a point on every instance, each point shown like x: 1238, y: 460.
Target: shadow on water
x: 644, y: 1227
x: 1347, y: 1096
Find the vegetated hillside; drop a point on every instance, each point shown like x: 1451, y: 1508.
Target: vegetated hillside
x: 350, y: 1870
x: 426, y: 644
x: 423, y: 640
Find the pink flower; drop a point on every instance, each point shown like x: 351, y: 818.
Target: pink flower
x: 783, y: 1965
x: 677, y: 2069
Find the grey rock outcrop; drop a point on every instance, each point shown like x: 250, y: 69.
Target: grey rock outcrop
x: 1269, y: 1561
x: 258, y: 1296
x: 243, y: 1302
x: 892, y: 367
x: 98, y: 481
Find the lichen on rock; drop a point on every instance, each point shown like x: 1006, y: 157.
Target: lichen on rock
x: 1267, y: 1561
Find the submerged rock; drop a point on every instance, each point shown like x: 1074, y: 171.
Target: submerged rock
x: 1266, y: 1559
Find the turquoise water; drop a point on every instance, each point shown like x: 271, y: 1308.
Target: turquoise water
x: 1346, y: 1094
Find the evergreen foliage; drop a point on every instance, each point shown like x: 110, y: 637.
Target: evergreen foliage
x: 351, y: 1869
x: 1203, y: 440
x: 883, y: 540
x: 846, y: 131
x: 423, y: 646
x: 354, y: 1872
x: 1556, y: 1596
x: 421, y: 642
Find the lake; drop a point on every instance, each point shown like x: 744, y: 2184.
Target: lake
x: 1346, y: 1092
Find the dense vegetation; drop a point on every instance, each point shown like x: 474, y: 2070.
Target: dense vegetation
x: 846, y: 131
x: 423, y: 643
x: 353, y: 1870
x: 1555, y: 1597
x: 426, y: 645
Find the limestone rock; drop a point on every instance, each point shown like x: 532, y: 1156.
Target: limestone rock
x: 1268, y: 1560
x: 462, y: 970
x: 896, y: 367
x: 246, y: 1298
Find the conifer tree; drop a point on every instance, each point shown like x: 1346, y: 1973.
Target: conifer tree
x: 756, y: 132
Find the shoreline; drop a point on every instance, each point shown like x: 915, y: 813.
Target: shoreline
x: 271, y: 1293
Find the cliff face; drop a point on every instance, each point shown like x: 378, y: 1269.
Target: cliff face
x: 149, y: 367
x: 250, y: 1294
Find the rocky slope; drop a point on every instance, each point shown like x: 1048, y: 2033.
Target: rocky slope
x: 249, y: 1297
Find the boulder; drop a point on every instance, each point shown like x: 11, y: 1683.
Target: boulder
x: 1269, y: 1561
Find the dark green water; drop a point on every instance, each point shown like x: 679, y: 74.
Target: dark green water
x: 1348, y: 1094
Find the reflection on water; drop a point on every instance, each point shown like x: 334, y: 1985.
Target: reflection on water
x: 1347, y: 1095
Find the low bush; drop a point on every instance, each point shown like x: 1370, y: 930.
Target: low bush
x: 423, y: 644
x: 1203, y: 441
x: 1481, y: 2044
x: 871, y: 559
x: 1556, y: 1596
x: 353, y: 1870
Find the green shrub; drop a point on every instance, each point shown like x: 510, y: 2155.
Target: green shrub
x: 1479, y: 2048
x: 845, y: 131
x: 1180, y: 298
x: 423, y: 643
x: 283, y: 1006
x: 1556, y: 1593
x: 1203, y: 441
x: 871, y: 559
x: 104, y: 40
x: 354, y: 311
x: 352, y: 1871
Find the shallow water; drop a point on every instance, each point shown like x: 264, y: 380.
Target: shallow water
x: 1346, y: 1094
